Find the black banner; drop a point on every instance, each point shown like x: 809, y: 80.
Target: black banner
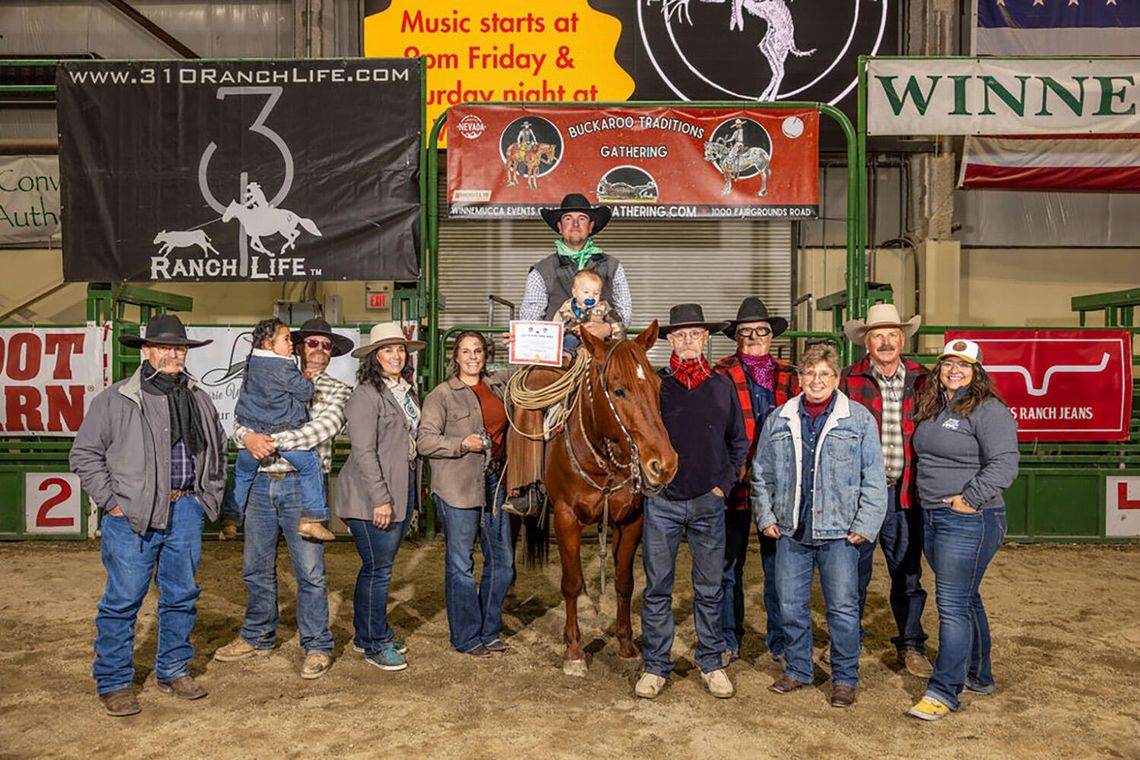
x: 240, y: 170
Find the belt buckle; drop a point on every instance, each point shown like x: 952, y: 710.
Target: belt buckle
x: 277, y: 475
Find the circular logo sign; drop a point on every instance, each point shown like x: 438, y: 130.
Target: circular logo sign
x: 746, y: 134
x: 627, y: 184
x: 471, y: 126
x: 763, y: 50
x: 531, y: 146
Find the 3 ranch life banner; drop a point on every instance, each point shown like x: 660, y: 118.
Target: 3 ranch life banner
x: 240, y: 170
x: 652, y: 163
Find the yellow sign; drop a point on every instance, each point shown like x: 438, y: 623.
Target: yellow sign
x: 502, y: 50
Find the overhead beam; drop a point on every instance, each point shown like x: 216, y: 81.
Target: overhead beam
x: 154, y: 29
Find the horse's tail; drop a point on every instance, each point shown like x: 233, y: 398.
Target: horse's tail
x: 800, y: 53
x: 309, y: 226
x: 538, y: 537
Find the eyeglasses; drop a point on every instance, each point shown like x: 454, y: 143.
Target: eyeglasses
x: 759, y: 332
x: 956, y: 364
x: 167, y: 349
x: 822, y: 375
x: 324, y: 343
x: 689, y: 336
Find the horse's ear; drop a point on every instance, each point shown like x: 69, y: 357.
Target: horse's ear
x: 596, y: 346
x: 648, y: 336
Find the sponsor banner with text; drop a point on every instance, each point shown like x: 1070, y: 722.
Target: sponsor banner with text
x: 647, y: 163
x: 1061, y: 385
x: 48, y: 376
x: 29, y: 200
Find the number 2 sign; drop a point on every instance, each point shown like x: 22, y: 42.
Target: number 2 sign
x: 51, y: 503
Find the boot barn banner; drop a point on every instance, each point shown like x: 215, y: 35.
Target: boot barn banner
x: 49, y: 376
x: 620, y: 50
x: 1061, y: 385
x: 240, y: 170
x: 29, y: 200
x: 652, y: 163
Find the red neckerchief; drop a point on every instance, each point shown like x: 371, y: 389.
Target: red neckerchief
x: 690, y: 373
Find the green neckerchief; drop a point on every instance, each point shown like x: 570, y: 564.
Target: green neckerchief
x: 578, y: 257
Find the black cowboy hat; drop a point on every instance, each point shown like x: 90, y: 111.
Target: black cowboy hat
x: 689, y: 315
x: 600, y: 215
x: 752, y: 309
x: 317, y: 326
x: 164, y: 329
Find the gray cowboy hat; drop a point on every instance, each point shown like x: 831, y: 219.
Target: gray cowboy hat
x: 600, y: 215
x: 752, y: 309
x: 689, y: 315
x: 164, y: 329
x: 320, y: 328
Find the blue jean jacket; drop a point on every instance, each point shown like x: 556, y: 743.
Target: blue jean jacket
x: 850, y: 479
x: 274, y: 395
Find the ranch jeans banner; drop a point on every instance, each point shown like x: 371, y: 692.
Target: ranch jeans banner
x: 1002, y: 96
x: 240, y: 170
x: 1061, y: 385
x: 507, y: 162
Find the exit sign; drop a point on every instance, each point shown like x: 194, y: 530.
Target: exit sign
x: 377, y: 300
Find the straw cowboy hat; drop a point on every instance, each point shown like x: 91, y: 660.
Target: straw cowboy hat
x: 387, y: 334
x: 600, y: 215
x: 880, y: 315
x: 164, y: 329
x: 689, y: 315
x: 752, y: 309
x: 320, y: 328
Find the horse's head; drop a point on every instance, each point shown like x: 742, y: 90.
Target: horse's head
x: 159, y: 238
x: 232, y: 210
x: 624, y: 374
x: 711, y: 151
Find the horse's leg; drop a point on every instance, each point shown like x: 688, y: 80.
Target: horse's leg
x: 626, y: 540
x: 569, y: 533
x: 256, y: 244
x: 764, y: 181
x: 290, y: 240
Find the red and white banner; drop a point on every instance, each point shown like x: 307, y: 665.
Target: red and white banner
x: 650, y: 163
x: 1122, y: 506
x: 1061, y: 385
x: 1052, y: 163
x: 48, y: 376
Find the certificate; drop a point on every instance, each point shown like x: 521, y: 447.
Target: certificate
x: 536, y: 343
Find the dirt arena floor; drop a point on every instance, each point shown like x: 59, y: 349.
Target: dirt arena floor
x: 1066, y: 626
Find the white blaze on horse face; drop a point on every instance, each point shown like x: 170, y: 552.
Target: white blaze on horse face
x: 640, y: 373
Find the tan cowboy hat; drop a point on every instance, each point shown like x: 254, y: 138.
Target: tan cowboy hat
x: 880, y: 315
x: 387, y: 334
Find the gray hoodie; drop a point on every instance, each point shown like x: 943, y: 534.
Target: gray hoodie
x: 974, y: 456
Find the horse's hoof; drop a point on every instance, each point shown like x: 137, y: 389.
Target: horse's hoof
x: 628, y: 653
x: 574, y: 668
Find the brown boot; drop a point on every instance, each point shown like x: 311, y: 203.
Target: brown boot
x: 314, y: 531
x: 183, y: 687
x: 120, y: 703
x: 842, y: 696
x: 228, y: 531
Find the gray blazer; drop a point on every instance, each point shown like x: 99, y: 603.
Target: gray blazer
x: 451, y: 413
x: 119, y: 462
x: 377, y: 470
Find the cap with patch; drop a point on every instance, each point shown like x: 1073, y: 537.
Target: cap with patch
x: 966, y: 350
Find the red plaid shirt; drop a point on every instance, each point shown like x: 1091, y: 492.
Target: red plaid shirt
x: 787, y: 385
x: 859, y: 383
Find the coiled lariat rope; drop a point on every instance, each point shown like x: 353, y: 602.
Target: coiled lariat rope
x: 561, y: 390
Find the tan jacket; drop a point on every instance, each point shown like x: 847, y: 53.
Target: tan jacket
x: 377, y: 470
x: 451, y: 413
x: 599, y: 312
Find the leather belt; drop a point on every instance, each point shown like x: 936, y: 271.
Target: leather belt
x: 176, y: 495
x: 272, y: 475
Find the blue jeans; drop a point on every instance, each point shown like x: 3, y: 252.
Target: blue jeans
x: 274, y: 510
x: 314, y: 504
x: 737, y: 530
x: 476, y: 616
x: 901, y: 539
x: 959, y: 547
x: 702, y: 520
x: 838, y: 562
x: 377, y: 548
x: 131, y: 560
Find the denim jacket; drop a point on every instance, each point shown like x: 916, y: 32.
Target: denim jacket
x: 274, y: 394
x: 850, y: 481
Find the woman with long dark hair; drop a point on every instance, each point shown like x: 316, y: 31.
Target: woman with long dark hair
x: 376, y: 490
x: 463, y: 434
x: 965, y: 444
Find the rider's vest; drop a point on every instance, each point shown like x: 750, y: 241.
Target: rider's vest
x: 558, y: 272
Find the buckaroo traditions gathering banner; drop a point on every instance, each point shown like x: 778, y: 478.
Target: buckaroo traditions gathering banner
x: 1061, y: 385
x: 668, y: 163
x: 236, y: 170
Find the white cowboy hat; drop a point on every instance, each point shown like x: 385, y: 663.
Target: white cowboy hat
x: 880, y: 315
x: 387, y: 334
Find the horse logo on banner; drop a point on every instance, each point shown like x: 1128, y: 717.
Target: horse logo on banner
x: 741, y: 149
x: 534, y: 151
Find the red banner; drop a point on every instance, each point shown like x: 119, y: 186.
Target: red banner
x: 1061, y: 385
x: 507, y: 162
x: 48, y: 377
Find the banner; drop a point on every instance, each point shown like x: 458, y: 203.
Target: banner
x: 1002, y: 96
x: 1055, y: 27
x: 48, y: 376
x: 241, y: 170
x: 619, y: 50
x: 220, y: 366
x: 648, y: 163
x: 29, y: 200
x: 1061, y: 385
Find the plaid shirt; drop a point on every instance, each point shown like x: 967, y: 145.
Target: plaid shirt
x: 326, y: 420
x: 859, y: 383
x: 181, y: 467
x: 890, y: 429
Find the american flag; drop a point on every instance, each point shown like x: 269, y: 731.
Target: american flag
x: 1055, y: 28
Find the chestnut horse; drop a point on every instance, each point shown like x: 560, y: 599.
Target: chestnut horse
x: 612, y: 448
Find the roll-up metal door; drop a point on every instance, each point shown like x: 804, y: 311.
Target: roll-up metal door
x: 715, y: 264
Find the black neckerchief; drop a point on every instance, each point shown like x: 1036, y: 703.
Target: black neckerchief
x: 185, y: 421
